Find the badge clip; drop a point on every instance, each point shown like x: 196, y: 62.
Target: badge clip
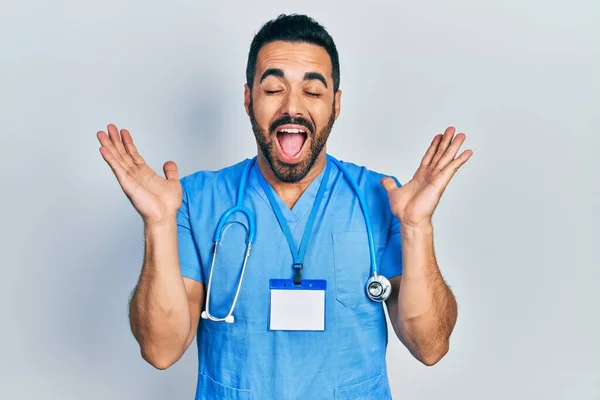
x: 298, y: 274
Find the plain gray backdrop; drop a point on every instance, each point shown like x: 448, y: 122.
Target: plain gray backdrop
x: 516, y: 232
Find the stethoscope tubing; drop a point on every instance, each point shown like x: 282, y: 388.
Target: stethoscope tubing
x: 251, y: 232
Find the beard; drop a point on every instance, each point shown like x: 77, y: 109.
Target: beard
x: 291, y: 173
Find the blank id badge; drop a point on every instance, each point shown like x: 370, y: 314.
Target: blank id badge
x: 297, y: 307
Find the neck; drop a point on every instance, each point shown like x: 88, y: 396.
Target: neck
x: 291, y: 192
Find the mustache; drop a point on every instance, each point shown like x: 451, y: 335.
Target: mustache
x: 287, y: 120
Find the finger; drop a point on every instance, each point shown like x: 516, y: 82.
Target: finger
x: 115, y: 138
x: 388, y: 184
x: 108, y: 144
x: 451, y: 169
x: 130, y: 147
x: 114, y: 163
x: 426, y: 160
x: 170, y: 170
x: 451, y: 151
x: 446, y: 139
x: 106, y: 141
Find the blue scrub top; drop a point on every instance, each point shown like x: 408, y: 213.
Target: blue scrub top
x: 245, y: 360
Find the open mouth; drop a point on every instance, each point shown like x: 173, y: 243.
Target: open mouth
x: 290, y: 142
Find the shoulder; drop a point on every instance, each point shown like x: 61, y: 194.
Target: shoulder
x: 371, y: 190
x: 202, y: 179
x: 364, y: 174
x: 222, y: 183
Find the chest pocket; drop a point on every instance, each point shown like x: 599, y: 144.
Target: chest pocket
x: 352, y: 265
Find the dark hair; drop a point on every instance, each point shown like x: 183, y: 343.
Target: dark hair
x: 298, y: 29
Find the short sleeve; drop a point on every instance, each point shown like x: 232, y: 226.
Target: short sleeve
x: 391, y: 261
x: 189, y: 259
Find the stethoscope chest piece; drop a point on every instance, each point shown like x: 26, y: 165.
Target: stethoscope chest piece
x: 378, y: 288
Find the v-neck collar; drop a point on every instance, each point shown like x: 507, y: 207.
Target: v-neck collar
x: 304, y: 204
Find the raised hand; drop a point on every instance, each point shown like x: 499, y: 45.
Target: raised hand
x: 415, y: 202
x: 155, y: 198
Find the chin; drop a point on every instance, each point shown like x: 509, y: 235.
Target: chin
x: 290, y: 172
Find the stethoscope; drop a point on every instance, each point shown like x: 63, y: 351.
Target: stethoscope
x: 378, y: 287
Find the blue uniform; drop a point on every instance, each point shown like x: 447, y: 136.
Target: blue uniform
x: 245, y: 360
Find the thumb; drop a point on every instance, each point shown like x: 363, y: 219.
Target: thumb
x: 170, y: 170
x: 389, y: 184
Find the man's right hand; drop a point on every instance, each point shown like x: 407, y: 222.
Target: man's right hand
x: 155, y: 198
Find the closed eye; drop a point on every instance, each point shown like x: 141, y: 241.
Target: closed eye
x: 272, y: 91
x: 313, y: 94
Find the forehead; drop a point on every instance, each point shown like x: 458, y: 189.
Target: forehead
x: 294, y: 58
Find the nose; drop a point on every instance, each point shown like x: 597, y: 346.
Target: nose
x: 292, y: 105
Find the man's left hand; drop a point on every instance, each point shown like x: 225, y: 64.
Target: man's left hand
x: 415, y: 202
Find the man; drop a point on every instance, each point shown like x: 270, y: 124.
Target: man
x: 294, y: 320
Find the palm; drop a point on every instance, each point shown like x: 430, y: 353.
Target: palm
x: 151, y: 194
x: 415, y: 202
x: 154, y: 197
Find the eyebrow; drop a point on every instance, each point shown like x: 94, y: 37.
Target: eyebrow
x: 309, y: 76
x: 278, y: 72
x: 272, y: 72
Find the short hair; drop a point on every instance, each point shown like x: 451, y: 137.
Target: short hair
x: 293, y: 28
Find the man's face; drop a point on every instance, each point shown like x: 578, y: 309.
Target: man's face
x: 292, y: 106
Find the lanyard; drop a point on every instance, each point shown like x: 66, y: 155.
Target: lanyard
x: 298, y: 256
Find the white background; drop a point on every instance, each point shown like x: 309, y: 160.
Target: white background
x: 516, y: 232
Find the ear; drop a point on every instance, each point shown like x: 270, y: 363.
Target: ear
x: 338, y: 103
x: 247, y: 98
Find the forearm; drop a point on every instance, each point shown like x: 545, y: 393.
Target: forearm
x: 426, y: 306
x: 159, y: 310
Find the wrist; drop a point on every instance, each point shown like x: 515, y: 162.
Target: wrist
x: 414, y: 231
x: 165, y: 225
x: 424, y: 226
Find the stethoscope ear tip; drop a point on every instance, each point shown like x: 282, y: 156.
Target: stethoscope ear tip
x: 229, y: 319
